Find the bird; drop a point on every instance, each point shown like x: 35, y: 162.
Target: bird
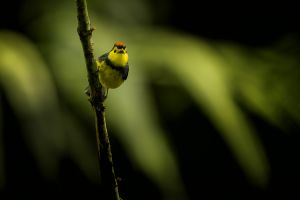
x: 113, y: 67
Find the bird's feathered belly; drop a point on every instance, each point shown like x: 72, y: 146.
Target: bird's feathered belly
x: 110, y: 78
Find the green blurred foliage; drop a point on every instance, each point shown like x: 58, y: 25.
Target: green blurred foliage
x: 48, y: 72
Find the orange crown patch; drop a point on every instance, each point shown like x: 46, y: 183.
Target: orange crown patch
x: 120, y: 44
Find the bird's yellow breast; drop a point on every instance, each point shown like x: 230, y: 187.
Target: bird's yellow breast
x: 109, y: 77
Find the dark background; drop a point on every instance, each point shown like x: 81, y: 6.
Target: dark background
x: 255, y: 23
x: 251, y: 24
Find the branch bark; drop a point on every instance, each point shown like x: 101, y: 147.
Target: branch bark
x: 108, y: 179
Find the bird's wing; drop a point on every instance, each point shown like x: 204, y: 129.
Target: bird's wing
x: 103, y: 57
x: 125, y: 72
x: 100, y: 61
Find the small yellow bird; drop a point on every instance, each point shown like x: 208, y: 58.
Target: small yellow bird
x: 113, y: 67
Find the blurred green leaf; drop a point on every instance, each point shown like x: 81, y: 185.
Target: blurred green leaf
x: 30, y: 91
x: 201, y: 70
x: 268, y: 80
x: 49, y: 132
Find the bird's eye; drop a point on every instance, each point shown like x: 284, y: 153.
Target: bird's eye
x: 115, y: 51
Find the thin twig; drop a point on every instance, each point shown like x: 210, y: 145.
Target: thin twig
x: 108, y: 179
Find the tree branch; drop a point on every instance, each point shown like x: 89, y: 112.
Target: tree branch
x: 108, y: 179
